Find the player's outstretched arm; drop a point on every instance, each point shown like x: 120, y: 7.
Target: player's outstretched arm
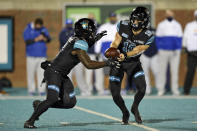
x: 116, y: 41
x: 87, y: 62
x: 137, y: 50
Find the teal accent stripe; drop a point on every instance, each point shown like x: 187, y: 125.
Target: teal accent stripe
x: 54, y: 87
x: 139, y: 74
x: 114, y: 78
x: 80, y: 44
x: 150, y: 40
x: 118, y: 26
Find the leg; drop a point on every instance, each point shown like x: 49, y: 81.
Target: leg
x: 81, y: 83
x: 40, y: 74
x: 31, y: 68
x: 99, y: 80
x: 53, y: 87
x: 140, y: 83
x: 155, y: 69
x: 163, y: 62
x: 115, y: 87
x: 174, y: 69
x: 89, y: 77
x: 52, y: 97
x: 146, y: 61
x: 191, y: 67
x: 67, y: 96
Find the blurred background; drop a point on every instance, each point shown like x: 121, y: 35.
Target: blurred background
x: 16, y: 14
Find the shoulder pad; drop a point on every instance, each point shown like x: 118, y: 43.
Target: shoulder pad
x: 149, y: 33
x: 125, y: 22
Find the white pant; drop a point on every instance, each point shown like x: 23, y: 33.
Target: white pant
x: 99, y: 77
x: 78, y: 70
x: 33, y: 67
x: 173, y: 58
x: 147, y: 64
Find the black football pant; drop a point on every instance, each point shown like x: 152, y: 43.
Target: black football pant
x: 60, y: 93
x: 191, y: 68
x: 135, y: 70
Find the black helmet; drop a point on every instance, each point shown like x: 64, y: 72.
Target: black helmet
x: 85, y: 28
x: 141, y: 14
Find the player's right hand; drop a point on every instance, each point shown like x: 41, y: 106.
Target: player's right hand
x: 121, y: 57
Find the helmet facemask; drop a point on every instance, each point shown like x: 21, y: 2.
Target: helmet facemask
x: 141, y: 15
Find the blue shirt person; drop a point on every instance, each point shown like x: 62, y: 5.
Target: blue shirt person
x: 66, y: 32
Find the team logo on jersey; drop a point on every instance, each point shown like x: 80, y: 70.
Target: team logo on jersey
x: 125, y: 23
x: 139, y: 41
x: 125, y: 35
x: 148, y: 33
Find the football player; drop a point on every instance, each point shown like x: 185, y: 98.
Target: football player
x: 60, y: 90
x: 132, y: 38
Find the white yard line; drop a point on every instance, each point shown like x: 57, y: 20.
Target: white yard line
x: 114, y: 118
x: 64, y: 123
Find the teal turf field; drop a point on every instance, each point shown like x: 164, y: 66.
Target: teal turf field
x: 95, y: 113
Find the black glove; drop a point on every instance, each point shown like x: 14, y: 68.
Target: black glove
x: 100, y: 35
x: 45, y: 64
x: 113, y: 63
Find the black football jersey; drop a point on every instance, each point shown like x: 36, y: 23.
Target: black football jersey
x: 65, y: 61
x: 130, y: 41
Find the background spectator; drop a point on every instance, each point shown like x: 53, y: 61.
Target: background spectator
x: 36, y: 36
x: 190, y: 43
x: 94, y: 78
x: 168, y: 39
x: 66, y: 32
x: 105, y: 42
x: 150, y: 61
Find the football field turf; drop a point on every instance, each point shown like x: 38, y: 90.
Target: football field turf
x: 95, y: 113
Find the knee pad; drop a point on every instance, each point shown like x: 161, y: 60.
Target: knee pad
x: 69, y: 98
x: 73, y: 102
x: 141, y: 83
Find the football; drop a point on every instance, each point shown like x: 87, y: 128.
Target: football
x: 112, y: 53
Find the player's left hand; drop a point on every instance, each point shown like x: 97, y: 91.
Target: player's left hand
x: 113, y: 63
x: 100, y: 35
x: 121, y: 57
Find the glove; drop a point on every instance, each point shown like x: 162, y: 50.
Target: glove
x: 100, y: 35
x: 45, y: 64
x: 113, y: 63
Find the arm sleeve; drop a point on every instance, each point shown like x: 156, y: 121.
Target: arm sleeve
x: 28, y: 37
x: 81, y: 44
x: 150, y: 40
x: 118, y: 27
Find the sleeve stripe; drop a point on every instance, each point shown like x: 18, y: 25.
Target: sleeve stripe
x: 150, y: 40
x: 80, y: 44
x: 118, y: 26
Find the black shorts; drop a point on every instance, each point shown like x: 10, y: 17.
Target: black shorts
x: 133, y: 69
x: 56, y: 82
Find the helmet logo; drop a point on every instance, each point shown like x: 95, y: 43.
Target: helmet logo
x: 84, y: 24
